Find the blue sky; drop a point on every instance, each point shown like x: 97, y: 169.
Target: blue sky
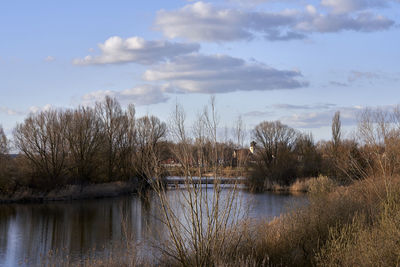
x: 296, y: 61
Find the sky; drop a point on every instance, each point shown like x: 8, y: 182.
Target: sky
x: 290, y: 60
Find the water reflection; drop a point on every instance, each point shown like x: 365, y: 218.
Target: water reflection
x: 77, y: 228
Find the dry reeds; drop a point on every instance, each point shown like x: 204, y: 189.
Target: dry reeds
x: 339, y: 222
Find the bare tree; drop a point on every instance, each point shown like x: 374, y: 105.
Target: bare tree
x: 3, y: 142
x: 336, y: 129
x: 128, y: 145
x: 274, y: 157
x: 239, y: 133
x: 379, y: 133
x: 182, y: 150
x: 199, y: 133
x: 198, y: 220
x: 41, y: 139
x: 309, y: 160
x: 211, y: 120
x: 149, y: 132
x: 272, y: 136
x: 7, y: 181
x: 336, y: 142
x: 114, y: 123
x: 83, y: 132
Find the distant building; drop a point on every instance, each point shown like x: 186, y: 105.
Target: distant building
x: 241, y: 156
x: 252, y: 147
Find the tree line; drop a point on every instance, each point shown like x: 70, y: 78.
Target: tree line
x: 96, y: 144
x: 106, y: 143
x: 285, y: 154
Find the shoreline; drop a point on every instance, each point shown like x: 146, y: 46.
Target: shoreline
x: 71, y: 192
x: 118, y: 188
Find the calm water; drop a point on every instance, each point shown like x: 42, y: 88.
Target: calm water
x: 29, y: 232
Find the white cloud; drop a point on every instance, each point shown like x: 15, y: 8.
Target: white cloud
x: 135, y: 49
x: 315, y: 115
x: 49, y: 59
x: 346, y: 6
x: 139, y: 95
x: 205, y: 22
x: 317, y: 119
x: 257, y: 113
x: 221, y: 74
x: 340, y: 84
x: 304, y: 107
x: 250, y: 2
x: 36, y: 109
x: 358, y: 75
x: 324, y: 23
x: 9, y: 111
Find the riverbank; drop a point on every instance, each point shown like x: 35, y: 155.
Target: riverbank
x: 354, y: 225
x: 78, y: 231
x: 303, y: 185
x: 113, y: 189
x: 228, y: 172
x: 71, y: 192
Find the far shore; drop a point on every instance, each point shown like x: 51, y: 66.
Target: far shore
x: 71, y: 192
x: 119, y: 188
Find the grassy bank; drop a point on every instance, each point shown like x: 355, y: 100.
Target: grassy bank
x: 70, y: 192
x: 303, y: 185
x: 357, y: 225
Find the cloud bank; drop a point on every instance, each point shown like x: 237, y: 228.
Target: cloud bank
x: 202, y: 21
x: 221, y: 74
x: 116, y: 50
x: 139, y: 95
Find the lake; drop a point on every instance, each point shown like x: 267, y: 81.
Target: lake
x: 31, y: 233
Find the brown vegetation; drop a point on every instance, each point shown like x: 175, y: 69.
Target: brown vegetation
x: 342, y: 226
x: 282, y: 155
x: 352, y: 218
x: 81, y: 146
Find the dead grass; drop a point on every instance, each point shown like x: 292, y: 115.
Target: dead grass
x: 373, y: 241
x: 299, y: 186
x: 338, y: 223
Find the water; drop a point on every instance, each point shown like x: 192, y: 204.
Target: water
x: 79, y: 229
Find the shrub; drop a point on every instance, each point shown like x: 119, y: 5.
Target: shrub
x: 366, y: 242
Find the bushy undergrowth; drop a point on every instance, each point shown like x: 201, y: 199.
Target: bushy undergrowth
x: 357, y: 225
x: 367, y: 241
x: 303, y: 185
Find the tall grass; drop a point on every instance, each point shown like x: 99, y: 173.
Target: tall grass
x: 357, y: 225
x: 367, y: 241
x: 110, y: 256
x: 200, y: 223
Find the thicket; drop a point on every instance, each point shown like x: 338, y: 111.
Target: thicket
x: 284, y: 155
x: 83, y: 145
